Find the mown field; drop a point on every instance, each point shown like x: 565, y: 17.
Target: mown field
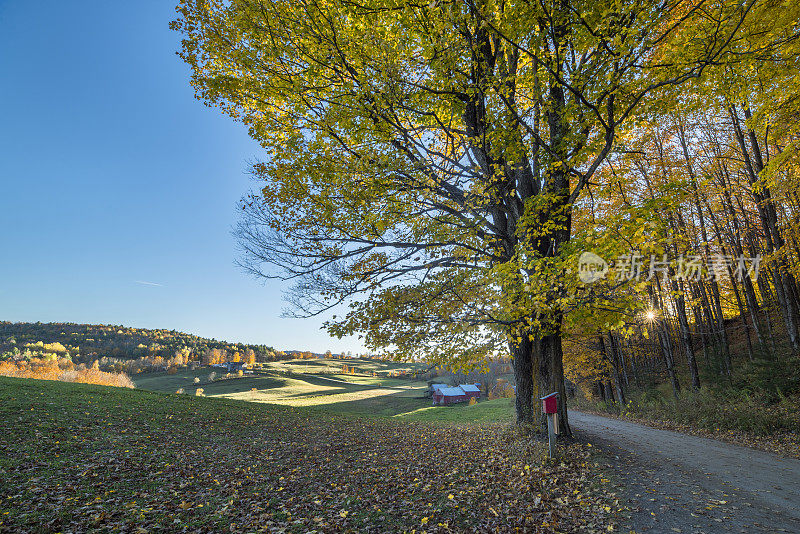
x: 319, y: 383
x: 76, y: 457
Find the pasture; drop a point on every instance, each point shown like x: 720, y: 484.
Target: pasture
x: 78, y: 457
x: 319, y: 384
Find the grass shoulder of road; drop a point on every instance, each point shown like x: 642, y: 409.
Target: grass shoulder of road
x: 76, y: 457
x: 748, y: 422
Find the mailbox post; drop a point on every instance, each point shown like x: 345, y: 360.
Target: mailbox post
x: 550, y: 408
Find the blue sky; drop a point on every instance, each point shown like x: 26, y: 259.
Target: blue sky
x: 119, y: 189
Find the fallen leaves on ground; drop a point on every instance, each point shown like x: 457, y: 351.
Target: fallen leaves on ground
x: 76, y: 458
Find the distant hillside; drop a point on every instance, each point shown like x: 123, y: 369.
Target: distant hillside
x: 86, y: 342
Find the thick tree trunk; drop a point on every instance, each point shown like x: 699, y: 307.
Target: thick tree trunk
x: 523, y: 376
x: 550, y: 373
x: 550, y: 369
x: 609, y: 392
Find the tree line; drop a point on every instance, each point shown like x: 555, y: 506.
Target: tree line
x: 125, y: 348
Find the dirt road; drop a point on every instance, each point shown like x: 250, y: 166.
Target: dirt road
x: 680, y: 483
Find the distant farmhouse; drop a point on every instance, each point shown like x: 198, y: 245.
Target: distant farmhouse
x: 232, y: 367
x: 444, y: 394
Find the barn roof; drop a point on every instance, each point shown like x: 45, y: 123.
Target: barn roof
x: 451, y: 392
x: 470, y: 388
x: 437, y: 387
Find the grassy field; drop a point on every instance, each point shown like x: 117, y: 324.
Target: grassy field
x: 76, y: 457
x: 382, y: 368
x: 485, y: 411
x: 318, y: 383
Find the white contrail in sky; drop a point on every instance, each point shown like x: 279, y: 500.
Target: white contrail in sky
x: 148, y: 283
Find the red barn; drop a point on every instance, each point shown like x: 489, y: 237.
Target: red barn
x: 456, y: 394
x: 471, y: 390
x: 449, y: 396
x: 436, y: 387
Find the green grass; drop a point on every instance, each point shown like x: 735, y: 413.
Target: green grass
x: 78, y: 457
x: 318, y: 384
x: 327, y: 368
x: 307, y: 383
x: 486, y: 411
x: 338, y: 393
x: 720, y: 410
x: 170, y: 383
x: 343, y: 394
x: 334, y: 366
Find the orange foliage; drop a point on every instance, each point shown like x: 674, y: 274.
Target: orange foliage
x: 63, y: 370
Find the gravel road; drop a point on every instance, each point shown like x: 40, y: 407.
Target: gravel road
x: 680, y: 483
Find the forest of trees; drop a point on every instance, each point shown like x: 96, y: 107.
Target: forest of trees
x: 121, y: 348
x: 719, y: 192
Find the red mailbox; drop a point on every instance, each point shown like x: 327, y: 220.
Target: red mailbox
x: 550, y: 403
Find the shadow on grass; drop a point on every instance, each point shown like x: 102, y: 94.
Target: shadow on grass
x: 399, y: 400
x: 382, y: 406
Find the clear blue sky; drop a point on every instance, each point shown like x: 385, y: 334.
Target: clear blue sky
x: 112, y: 174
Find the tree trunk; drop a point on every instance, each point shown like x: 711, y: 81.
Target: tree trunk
x: 550, y: 375
x: 601, y: 392
x: 523, y: 376
x: 611, y: 356
x: 784, y: 281
x: 666, y: 342
x: 609, y: 392
x: 617, y: 351
x: 686, y: 336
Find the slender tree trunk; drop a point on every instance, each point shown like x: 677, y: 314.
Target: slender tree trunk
x: 723, y: 333
x: 601, y: 392
x: 784, y: 281
x: 617, y: 375
x: 617, y: 350
x: 742, y: 315
x: 700, y: 325
x: 686, y: 336
x: 666, y: 342
x: 634, y: 366
x: 736, y: 243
